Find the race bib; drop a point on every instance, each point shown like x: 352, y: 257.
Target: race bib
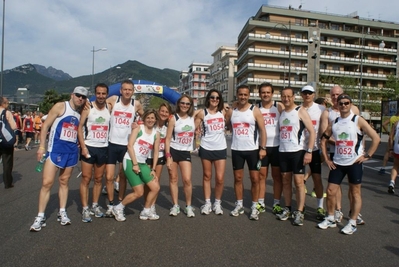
x: 241, y: 130
x: 122, y: 119
x: 285, y: 134
x: 100, y: 133
x: 185, y: 138
x: 162, y: 144
x: 69, y: 132
x: 344, y: 148
x: 215, y: 125
x: 270, y: 119
x: 144, y: 148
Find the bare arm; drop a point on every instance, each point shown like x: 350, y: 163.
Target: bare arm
x: 171, y: 126
x: 304, y: 116
x: 10, y: 119
x: 139, y: 107
x: 323, y: 144
x: 130, y: 149
x: 375, y: 139
x: 83, y: 117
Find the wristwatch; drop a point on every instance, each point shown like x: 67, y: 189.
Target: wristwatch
x: 309, y: 150
x: 263, y: 147
x: 367, y: 156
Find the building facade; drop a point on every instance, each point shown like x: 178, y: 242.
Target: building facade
x: 222, y: 72
x: 194, y: 82
x: 294, y: 47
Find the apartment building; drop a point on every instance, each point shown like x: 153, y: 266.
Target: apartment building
x: 194, y: 82
x: 294, y: 47
x: 222, y: 72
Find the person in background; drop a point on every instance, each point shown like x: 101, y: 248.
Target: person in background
x: 7, y: 153
x: 37, y: 122
x: 18, y: 133
x: 28, y: 129
x: 387, y: 125
x: 62, y: 153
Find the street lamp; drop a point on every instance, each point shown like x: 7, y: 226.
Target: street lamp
x: 2, y: 49
x: 314, y: 39
x: 92, y: 68
x: 381, y: 45
x: 268, y: 35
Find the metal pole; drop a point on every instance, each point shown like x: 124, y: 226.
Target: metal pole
x: 361, y: 73
x: 92, y: 73
x: 289, y: 54
x: 2, y: 49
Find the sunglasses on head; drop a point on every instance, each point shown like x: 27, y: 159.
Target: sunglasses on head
x: 214, y: 97
x: 80, y: 96
x: 346, y: 103
x: 185, y: 103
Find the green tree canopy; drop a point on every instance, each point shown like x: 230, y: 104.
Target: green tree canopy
x: 50, y: 98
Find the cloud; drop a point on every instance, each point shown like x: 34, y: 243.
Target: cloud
x: 158, y: 33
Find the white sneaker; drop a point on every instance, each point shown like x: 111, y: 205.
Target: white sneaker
x: 116, y: 187
x: 206, y: 209
x: 217, y: 209
x: 119, y: 214
x: 338, y: 215
x: 327, y: 224
x: 38, y: 224
x: 62, y: 217
x: 190, y: 212
x: 148, y: 216
x: 349, y: 229
x: 254, y: 214
x: 174, y: 210
x: 108, y: 213
x: 237, y: 210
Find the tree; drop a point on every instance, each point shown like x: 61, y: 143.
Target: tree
x: 391, y: 83
x: 50, y: 98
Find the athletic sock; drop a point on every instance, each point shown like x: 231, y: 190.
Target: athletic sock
x: 261, y: 201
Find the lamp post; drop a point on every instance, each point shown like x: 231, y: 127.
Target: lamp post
x: 268, y: 35
x: 2, y: 49
x: 381, y: 45
x: 92, y: 68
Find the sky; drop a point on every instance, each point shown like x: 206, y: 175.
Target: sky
x: 158, y: 33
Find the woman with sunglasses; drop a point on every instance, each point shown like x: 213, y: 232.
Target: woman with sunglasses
x: 164, y: 112
x: 142, y: 141
x: 213, y: 149
x: 178, y: 144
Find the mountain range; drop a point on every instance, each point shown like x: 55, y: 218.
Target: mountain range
x: 38, y: 78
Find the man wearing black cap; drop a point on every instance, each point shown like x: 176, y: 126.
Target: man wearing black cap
x: 314, y: 110
x: 62, y: 153
x: 348, y: 131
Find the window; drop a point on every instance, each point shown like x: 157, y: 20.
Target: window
x: 336, y: 40
x: 299, y: 22
x: 298, y: 35
x: 335, y: 54
x: 335, y: 67
x: 322, y: 25
x: 334, y: 27
x: 323, y: 66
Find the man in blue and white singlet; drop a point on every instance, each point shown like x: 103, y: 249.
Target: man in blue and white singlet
x: 348, y: 131
x: 62, y: 153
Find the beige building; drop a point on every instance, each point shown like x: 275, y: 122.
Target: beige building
x: 222, y: 72
x: 194, y: 82
x: 293, y: 47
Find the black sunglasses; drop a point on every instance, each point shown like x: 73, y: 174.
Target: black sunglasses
x: 80, y: 96
x: 344, y: 103
x: 214, y: 97
x: 307, y: 93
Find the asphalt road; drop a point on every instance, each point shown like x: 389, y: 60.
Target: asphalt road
x: 201, y: 241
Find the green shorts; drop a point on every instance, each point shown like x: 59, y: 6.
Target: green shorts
x: 144, y: 177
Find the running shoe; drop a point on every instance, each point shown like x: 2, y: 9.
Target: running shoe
x: 381, y: 171
x: 261, y: 207
x: 38, y: 224
x: 86, y: 216
x: 359, y: 220
x: 254, y: 214
x: 148, y: 216
x: 153, y: 209
x: 391, y: 187
x: 284, y: 215
x: 104, y: 190
x: 190, y: 212
x: 109, y: 213
x: 277, y: 209
x: 320, y: 214
x: 217, y: 209
x: 118, y: 214
x: 327, y: 224
x: 237, y: 210
x: 174, y: 210
x: 338, y: 215
x: 97, y: 211
x: 349, y: 229
x: 62, y: 217
x: 313, y: 194
x: 206, y: 209
x: 298, y: 218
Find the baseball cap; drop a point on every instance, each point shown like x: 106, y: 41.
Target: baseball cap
x: 307, y: 88
x: 80, y: 90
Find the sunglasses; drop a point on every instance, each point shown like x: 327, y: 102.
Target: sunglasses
x: 185, y: 103
x: 344, y: 103
x: 80, y: 96
x: 307, y: 93
x: 214, y: 97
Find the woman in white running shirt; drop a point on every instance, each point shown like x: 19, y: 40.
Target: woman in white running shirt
x: 178, y: 144
x: 213, y: 149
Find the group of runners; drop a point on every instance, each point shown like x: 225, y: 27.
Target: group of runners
x: 279, y: 135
